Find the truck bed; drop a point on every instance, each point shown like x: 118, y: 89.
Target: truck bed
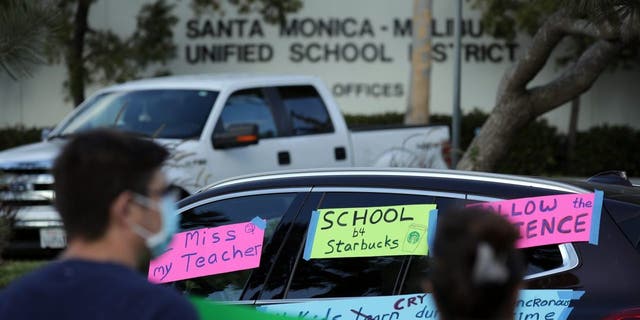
x: 414, y: 146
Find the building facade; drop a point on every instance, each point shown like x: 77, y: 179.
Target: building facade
x: 360, y: 48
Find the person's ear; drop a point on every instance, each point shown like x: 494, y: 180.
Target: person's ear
x: 120, y: 208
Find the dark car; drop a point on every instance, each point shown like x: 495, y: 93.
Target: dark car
x: 607, y: 272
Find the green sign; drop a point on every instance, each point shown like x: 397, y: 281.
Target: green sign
x: 208, y: 310
x: 371, y: 231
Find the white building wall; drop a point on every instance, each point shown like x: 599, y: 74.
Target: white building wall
x: 614, y: 98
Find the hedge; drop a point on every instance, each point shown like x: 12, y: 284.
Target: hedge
x: 12, y: 270
x: 606, y: 148
x: 538, y: 149
x: 15, y: 136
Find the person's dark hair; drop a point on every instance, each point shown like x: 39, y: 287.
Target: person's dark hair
x: 93, y: 169
x: 477, y: 270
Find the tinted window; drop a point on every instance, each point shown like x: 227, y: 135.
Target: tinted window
x: 416, y: 279
x: 160, y: 113
x: 351, y: 277
x: 539, y: 259
x: 627, y: 216
x: 543, y: 258
x: 306, y: 110
x: 248, y: 107
x: 229, y: 286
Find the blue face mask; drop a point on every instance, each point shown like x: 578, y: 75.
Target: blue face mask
x: 157, y: 242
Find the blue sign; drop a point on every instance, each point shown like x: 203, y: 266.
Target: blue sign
x: 532, y: 304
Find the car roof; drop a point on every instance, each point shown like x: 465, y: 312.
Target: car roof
x: 445, y: 181
x: 213, y: 81
x: 611, y: 191
x: 395, y: 172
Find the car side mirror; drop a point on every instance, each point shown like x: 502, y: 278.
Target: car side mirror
x: 45, y: 133
x: 237, y: 135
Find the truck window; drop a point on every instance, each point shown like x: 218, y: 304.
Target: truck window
x: 245, y: 107
x: 171, y: 114
x: 306, y: 110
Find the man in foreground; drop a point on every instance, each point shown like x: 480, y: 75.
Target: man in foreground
x: 116, y: 211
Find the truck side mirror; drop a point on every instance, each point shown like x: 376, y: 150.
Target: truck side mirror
x: 45, y: 133
x: 237, y: 135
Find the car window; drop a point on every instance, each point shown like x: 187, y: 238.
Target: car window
x: 351, y: 277
x: 229, y: 286
x: 306, y: 110
x: 248, y: 107
x: 627, y: 216
x: 538, y: 259
x: 416, y: 279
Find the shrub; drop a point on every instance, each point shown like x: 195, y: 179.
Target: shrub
x: 361, y: 120
x: 19, y: 135
x: 535, y: 150
x: 539, y: 149
x: 5, y: 233
x: 12, y: 270
x: 606, y: 148
x: 7, y: 214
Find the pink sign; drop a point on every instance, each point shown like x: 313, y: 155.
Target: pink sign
x: 208, y: 251
x: 552, y: 219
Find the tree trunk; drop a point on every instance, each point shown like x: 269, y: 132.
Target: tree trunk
x: 495, y: 136
x: 418, y: 110
x: 518, y: 105
x: 75, y: 57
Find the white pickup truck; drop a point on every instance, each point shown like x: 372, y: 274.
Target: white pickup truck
x: 216, y: 127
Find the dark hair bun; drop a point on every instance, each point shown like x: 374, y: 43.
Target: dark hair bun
x: 476, y: 268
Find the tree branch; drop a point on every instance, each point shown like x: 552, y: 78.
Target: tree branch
x: 577, y: 79
x: 528, y: 66
x: 586, y: 28
x: 554, y: 29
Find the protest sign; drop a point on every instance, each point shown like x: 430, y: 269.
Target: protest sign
x: 208, y: 251
x: 532, y: 304
x: 370, y: 231
x: 552, y: 219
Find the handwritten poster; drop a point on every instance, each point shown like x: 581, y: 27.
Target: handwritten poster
x: 552, y: 219
x: 532, y: 304
x: 370, y: 231
x: 208, y: 251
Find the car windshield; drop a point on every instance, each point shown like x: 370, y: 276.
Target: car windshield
x: 176, y: 114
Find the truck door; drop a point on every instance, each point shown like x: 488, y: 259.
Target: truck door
x: 247, y: 106
x: 314, y: 141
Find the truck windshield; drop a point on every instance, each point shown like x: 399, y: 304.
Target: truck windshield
x: 173, y: 114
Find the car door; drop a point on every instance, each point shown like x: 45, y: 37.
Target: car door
x: 294, y: 279
x: 278, y: 207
